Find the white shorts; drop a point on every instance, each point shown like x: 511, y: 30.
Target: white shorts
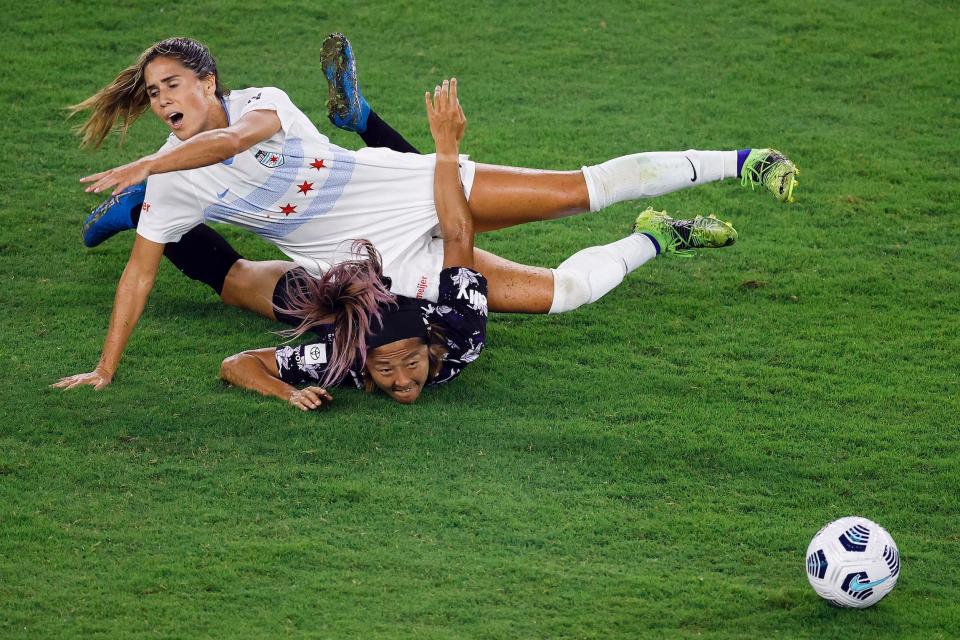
x: 397, y: 213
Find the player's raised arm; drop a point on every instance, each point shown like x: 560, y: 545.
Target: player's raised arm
x: 203, y: 149
x: 131, y: 297
x: 447, y: 124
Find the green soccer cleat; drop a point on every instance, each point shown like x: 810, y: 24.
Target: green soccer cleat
x: 773, y: 170
x: 680, y: 237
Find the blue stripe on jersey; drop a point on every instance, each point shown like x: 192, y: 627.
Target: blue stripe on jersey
x: 327, y: 196
x: 270, y: 192
x: 267, y: 194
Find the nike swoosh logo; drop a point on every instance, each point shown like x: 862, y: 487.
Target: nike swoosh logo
x: 856, y: 585
x: 221, y: 195
x: 694, y: 179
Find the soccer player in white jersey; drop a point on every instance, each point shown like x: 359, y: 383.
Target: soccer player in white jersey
x: 247, y: 157
x: 411, y: 344
x: 408, y: 346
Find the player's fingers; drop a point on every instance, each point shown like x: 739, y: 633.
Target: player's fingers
x: 121, y: 187
x: 310, y: 398
x: 322, y: 395
x: 455, y: 95
x: 66, y: 383
x: 63, y: 382
x: 105, y: 178
x: 83, y: 380
x: 92, y: 177
x: 99, y: 185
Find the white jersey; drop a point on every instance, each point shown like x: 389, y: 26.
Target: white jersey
x: 310, y: 197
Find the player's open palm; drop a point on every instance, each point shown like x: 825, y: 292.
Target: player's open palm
x: 97, y: 379
x: 119, y: 178
x: 447, y: 122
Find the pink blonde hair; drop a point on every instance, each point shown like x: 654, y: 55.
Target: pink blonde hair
x: 352, y: 291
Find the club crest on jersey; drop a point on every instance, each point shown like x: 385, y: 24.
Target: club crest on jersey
x: 269, y: 159
x: 315, y: 354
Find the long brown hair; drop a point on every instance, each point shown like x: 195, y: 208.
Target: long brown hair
x: 354, y: 292
x: 126, y: 98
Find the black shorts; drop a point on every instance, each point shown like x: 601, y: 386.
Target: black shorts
x: 287, y: 286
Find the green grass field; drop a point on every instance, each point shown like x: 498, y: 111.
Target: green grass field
x: 653, y: 465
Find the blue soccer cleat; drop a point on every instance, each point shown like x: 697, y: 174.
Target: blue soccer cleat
x: 346, y: 108
x: 115, y: 214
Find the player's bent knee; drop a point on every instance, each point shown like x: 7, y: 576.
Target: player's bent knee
x: 585, y: 277
x: 571, y: 289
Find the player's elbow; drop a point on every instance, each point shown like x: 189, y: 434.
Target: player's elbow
x: 230, y: 143
x: 458, y: 247
x: 458, y: 233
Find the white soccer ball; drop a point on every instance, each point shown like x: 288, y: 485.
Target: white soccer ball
x: 853, y: 562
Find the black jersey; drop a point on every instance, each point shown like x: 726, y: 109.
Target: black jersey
x: 460, y: 314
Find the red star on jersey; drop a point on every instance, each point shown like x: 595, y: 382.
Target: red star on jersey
x: 274, y: 158
x: 317, y: 164
x: 306, y: 186
x: 288, y: 209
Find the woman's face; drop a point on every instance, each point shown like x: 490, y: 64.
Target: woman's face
x: 185, y: 102
x: 400, y: 369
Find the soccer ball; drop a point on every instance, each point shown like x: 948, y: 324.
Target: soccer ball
x: 852, y: 562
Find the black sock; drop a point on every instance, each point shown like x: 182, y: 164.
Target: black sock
x: 204, y: 255
x: 380, y: 134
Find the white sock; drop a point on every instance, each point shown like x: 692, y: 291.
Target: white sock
x: 645, y: 175
x: 588, y: 275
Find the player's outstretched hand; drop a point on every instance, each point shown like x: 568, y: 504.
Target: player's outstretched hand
x: 98, y: 379
x: 120, y: 178
x: 447, y: 122
x: 310, y: 398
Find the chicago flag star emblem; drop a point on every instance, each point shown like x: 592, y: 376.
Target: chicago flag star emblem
x: 269, y: 159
